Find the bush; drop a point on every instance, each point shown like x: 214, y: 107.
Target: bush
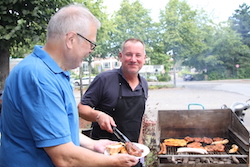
x: 164, y: 78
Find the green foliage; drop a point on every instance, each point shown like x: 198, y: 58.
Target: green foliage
x: 195, y: 40
x: 241, y: 22
x: 23, y: 22
x: 160, y: 86
x: 163, y: 77
x: 131, y: 20
x: 179, y: 29
x: 243, y: 72
x: 98, y: 10
x: 199, y: 77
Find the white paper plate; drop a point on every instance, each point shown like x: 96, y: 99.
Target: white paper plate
x: 141, y: 146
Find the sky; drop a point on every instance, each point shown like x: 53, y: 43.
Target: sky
x: 219, y: 9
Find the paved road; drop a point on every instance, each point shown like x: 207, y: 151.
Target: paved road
x: 211, y: 94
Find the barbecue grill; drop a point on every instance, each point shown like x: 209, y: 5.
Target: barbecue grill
x: 221, y: 123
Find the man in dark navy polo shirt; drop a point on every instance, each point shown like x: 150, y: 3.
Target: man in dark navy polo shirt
x: 117, y: 97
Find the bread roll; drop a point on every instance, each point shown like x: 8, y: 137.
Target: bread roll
x: 114, y: 149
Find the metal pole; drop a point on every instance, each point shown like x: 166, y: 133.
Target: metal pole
x: 174, y: 72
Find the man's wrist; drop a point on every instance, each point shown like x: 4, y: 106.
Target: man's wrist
x: 98, y: 116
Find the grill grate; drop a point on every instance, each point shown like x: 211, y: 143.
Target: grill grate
x: 173, y: 157
x: 210, y: 123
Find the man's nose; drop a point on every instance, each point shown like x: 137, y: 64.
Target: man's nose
x: 133, y: 58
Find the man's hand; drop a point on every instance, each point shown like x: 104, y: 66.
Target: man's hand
x: 106, y: 122
x: 125, y: 160
x: 101, y: 144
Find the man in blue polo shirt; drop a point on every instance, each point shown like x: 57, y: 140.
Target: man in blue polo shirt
x: 39, y: 119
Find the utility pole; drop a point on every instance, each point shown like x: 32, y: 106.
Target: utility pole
x: 171, y: 53
x: 174, y: 69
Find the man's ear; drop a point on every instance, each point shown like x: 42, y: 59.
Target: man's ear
x: 120, y: 55
x: 70, y: 39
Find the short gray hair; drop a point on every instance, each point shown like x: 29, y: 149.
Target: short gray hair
x: 71, y: 18
x: 134, y: 40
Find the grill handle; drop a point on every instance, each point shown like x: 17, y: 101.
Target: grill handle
x: 195, y: 104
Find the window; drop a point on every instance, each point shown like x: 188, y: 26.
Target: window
x: 116, y: 64
x: 106, y: 65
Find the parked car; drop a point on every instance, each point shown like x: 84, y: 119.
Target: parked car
x: 85, y: 81
x: 188, y: 77
x: 153, y: 78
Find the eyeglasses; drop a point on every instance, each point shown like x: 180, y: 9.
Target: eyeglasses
x: 93, y: 45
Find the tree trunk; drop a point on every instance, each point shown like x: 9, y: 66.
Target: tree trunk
x: 4, y: 65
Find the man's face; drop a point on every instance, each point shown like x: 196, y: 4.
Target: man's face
x: 82, y: 47
x: 132, y: 57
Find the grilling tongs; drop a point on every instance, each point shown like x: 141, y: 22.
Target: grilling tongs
x: 120, y: 135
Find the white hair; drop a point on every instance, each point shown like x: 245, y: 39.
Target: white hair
x: 71, y: 18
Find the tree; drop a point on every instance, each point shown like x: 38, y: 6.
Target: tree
x: 97, y: 8
x: 21, y: 23
x: 180, y: 30
x: 131, y: 20
x: 241, y: 22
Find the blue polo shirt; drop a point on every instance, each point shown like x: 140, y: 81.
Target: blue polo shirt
x: 39, y: 110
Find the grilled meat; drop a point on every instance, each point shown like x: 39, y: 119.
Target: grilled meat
x: 217, y: 139
x: 207, y: 140
x: 194, y: 145
x: 175, y: 142
x: 163, y: 149
x: 133, y: 149
x: 198, y: 139
x: 215, y: 147
x: 189, y: 139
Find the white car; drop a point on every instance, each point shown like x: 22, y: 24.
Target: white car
x: 153, y: 78
x: 85, y: 81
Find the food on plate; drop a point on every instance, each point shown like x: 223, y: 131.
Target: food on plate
x: 215, y: 147
x: 114, y: 149
x: 234, y: 149
x: 124, y: 148
x: 163, y: 149
x: 195, y: 145
x: 192, y: 150
x: 133, y: 149
x: 175, y: 142
x: 225, y: 141
x: 207, y: 140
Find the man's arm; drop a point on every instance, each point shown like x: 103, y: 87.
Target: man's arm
x: 104, y: 120
x: 88, y: 113
x: 69, y: 155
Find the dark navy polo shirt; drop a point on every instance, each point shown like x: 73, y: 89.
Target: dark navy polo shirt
x: 103, y: 92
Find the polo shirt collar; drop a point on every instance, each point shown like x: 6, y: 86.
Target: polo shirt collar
x: 120, y: 72
x: 45, y: 57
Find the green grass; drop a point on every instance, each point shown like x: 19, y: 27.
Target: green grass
x: 160, y: 86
